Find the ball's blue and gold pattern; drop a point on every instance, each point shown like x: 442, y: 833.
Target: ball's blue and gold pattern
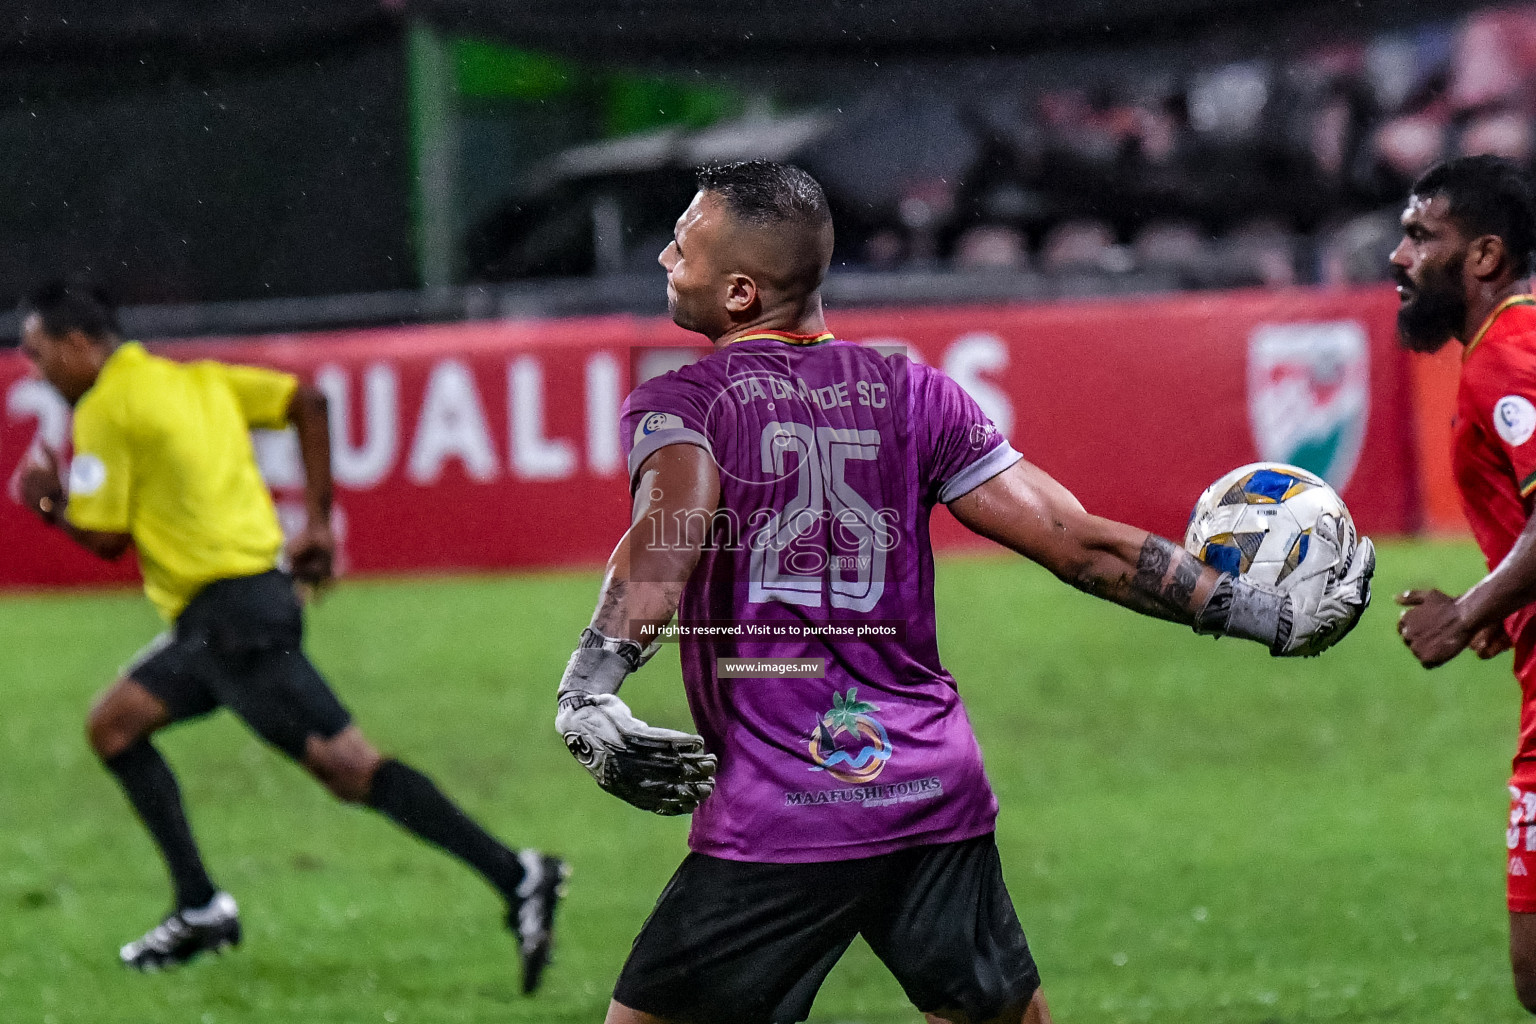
x: 1257, y: 520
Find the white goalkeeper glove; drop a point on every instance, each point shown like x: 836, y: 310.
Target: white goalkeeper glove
x: 1310, y: 611
x: 660, y: 770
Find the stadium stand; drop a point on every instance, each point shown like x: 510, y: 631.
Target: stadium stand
x: 1023, y: 158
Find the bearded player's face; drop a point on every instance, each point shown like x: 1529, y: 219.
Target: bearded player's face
x: 1427, y: 265
x: 695, y: 294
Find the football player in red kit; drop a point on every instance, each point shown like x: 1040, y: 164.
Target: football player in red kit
x: 1468, y: 234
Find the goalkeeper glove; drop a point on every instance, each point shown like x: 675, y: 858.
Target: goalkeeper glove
x: 1313, y: 609
x: 660, y: 770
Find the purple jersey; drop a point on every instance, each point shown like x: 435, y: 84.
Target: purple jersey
x: 831, y: 457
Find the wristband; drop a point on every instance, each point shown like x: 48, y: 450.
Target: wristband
x: 629, y: 650
x: 1238, y: 608
x: 600, y: 664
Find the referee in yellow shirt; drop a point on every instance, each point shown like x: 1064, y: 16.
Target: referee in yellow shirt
x: 163, y: 460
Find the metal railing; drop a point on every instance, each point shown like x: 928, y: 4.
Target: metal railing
x: 642, y: 294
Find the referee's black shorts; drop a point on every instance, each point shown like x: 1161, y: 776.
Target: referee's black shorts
x: 749, y: 943
x: 240, y: 644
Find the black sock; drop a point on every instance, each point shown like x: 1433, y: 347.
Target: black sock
x: 152, y: 789
x: 413, y: 801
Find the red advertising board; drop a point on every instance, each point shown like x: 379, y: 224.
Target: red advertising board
x: 494, y: 445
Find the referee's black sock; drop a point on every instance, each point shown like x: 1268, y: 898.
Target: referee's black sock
x: 152, y: 789
x: 414, y: 802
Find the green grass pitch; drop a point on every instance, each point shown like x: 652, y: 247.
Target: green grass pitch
x: 1192, y: 831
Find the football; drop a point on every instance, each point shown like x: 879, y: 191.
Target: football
x: 1257, y: 521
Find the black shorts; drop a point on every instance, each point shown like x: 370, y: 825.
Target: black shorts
x: 239, y: 644
x: 746, y: 943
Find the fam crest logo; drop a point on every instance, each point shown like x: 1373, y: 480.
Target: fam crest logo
x: 1309, y: 390
x: 848, y: 743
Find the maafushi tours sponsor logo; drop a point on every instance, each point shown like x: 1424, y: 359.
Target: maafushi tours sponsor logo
x: 870, y: 796
x: 848, y: 743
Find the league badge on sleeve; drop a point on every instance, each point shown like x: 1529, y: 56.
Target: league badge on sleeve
x: 1514, y: 417
x: 87, y: 473
x: 653, y: 422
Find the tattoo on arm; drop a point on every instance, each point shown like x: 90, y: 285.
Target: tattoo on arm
x: 609, y: 618
x: 1152, y: 566
x: 1163, y: 585
x: 1186, y: 573
x: 1165, y: 581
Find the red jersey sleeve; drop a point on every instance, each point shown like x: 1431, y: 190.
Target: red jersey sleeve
x: 1502, y: 386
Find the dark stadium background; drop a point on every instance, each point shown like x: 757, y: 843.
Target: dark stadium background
x: 203, y: 153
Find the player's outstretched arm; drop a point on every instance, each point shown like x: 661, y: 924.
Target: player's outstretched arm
x: 659, y: 770
x: 1437, y: 627
x: 1023, y: 508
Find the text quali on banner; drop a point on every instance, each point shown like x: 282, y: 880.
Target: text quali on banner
x: 493, y: 445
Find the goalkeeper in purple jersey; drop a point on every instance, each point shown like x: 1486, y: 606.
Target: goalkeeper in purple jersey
x: 782, y: 488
